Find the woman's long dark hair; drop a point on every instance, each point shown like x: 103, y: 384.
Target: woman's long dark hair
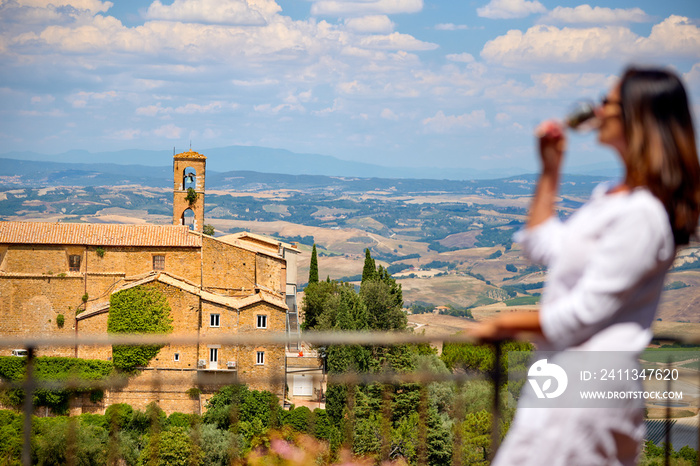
x: 661, y: 151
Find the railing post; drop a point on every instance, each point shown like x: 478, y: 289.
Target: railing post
x: 497, y: 378
x: 29, y: 388
x: 667, y: 423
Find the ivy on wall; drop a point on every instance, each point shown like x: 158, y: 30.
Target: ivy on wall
x: 141, y: 309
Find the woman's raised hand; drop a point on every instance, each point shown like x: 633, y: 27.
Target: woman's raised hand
x: 552, y: 142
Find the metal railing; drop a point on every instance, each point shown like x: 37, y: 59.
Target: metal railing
x: 30, y: 384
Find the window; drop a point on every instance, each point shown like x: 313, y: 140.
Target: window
x: 74, y: 263
x: 214, y: 320
x: 158, y: 262
x: 176, y: 357
x: 262, y: 321
x: 213, y: 354
x: 260, y: 359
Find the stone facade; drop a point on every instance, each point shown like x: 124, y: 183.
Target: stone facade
x: 214, y: 286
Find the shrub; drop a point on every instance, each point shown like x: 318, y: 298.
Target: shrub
x: 194, y: 393
x: 60, y: 320
x: 100, y: 251
x: 191, y: 197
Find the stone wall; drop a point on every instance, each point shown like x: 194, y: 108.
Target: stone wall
x: 271, y: 273
x: 227, y: 269
x: 36, y: 286
x: 270, y: 374
x: 30, y: 305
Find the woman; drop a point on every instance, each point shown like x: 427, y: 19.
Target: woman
x: 606, y: 263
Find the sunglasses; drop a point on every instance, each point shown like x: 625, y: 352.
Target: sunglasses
x: 605, y: 100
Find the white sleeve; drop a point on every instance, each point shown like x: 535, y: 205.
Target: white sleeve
x: 634, y: 245
x: 541, y: 243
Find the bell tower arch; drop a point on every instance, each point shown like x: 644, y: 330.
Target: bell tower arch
x: 188, y: 189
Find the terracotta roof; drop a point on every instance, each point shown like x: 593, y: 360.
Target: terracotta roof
x: 101, y: 307
x: 97, y: 234
x: 189, y: 155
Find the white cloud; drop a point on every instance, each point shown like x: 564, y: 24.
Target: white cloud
x: 210, y: 134
x: 508, y: 9
x: 692, y: 77
x: 460, y: 57
x: 190, y: 109
x: 81, y: 99
x: 351, y: 87
x: 370, y: 24
x: 274, y: 110
x: 150, y: 110
x: 502, y: 117
x: 451, y: 27
x: 396, y: 41
x: 42, y: 99
x: 365, y: 7
x: 238, y: 12
x: 187, y: 109
x: 49, y: 113
x: 674, y: 37
x: 255, y: 82
x: 441, y: 123
x: 387, y: 114
x: 169, y: 131
x: 126, y: 134
x: 565, y: 86
x: 94, y: 6
x: 595, y: 15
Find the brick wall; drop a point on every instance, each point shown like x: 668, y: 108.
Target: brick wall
x: 180, y: 204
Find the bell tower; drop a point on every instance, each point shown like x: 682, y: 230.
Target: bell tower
x: 188, y: 189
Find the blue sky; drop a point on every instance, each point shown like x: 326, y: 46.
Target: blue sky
x: 391, y: 82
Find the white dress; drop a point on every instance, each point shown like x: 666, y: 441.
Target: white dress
x: 606, y: 267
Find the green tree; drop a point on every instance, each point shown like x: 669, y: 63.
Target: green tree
x: 383, y: 307
x: 173, y: 448
x: 369, y: 271
x: 208, y: 230
x: 141, y: 309
x: 313, y: 267
x: 314, y: 304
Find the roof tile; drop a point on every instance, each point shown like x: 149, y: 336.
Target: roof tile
x: 97, y: 234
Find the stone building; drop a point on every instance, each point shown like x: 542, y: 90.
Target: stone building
x: 214, y: 286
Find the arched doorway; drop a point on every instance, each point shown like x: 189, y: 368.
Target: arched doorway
x: 189, y: 219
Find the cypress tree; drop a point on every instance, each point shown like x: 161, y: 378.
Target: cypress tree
x: 369, y: 271
x: 313, y: 268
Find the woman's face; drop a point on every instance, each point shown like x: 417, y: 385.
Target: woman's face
x: 612, y: 131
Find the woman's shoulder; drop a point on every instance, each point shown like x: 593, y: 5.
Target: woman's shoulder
x: 638, y: 208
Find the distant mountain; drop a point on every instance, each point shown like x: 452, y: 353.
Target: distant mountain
x: 267, y: 160
x: 33, y: 174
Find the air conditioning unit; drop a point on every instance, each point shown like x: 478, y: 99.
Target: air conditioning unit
x: 231, y: 364
x: 201, y: 363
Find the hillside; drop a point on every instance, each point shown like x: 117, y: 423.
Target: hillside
x: 447, y: 242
